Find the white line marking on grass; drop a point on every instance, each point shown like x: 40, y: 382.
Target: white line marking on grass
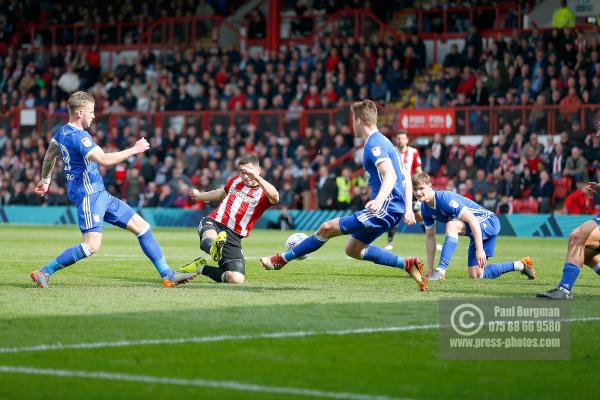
x: 206, y: 339
x: 225, y: 338
x: 216, y: 384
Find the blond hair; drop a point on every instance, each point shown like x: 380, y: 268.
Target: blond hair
x: 78, y: 100
x: 421, y: 178
x: 366, y: 111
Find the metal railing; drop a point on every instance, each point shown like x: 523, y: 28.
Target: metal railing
x: 445, y: 21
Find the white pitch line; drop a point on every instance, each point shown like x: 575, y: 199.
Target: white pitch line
x: 225, y: 338
x: 205, y: 339
x: 216, y: 384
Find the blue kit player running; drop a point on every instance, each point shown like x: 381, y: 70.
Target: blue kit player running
x: 81, y: 157
x: 583, y: 248
x: 462, y: 217
x: 391, y: 190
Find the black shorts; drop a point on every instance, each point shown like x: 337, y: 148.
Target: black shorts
x: 233, y: 246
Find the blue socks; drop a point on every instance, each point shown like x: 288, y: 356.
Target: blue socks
x: 308, y: 245
x: 570, y: 274
x: 448, y: 249
x: 152, y: 250
x: 383, y: 257
x: 68, y: 257
x: 492, y: 271
x: 597, y: 269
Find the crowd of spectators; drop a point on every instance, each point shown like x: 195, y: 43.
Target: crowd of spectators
x: 517, y: 166
x: 556, y: 67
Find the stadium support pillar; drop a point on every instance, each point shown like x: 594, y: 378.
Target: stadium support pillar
x: 273, y: 26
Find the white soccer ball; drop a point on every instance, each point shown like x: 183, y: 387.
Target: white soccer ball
x: 293, y: 240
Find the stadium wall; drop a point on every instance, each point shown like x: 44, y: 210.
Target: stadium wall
x: 522, y: 225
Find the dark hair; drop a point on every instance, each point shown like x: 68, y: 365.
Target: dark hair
x: 248, y: 159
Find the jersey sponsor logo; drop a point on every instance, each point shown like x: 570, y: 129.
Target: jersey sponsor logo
x: 453, y: 203
x: 86, y: 142
x: 376, y: 151
x: 244, y: 197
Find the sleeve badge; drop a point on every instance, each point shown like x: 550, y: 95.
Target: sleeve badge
x: 86, y: 142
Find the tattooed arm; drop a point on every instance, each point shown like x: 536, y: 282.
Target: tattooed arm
x: 47, y: 166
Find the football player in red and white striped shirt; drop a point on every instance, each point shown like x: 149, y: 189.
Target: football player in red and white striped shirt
x: 411, y: 159
x: 243, y: 200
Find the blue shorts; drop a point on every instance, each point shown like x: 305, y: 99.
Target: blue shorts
x: 99, y: 207
x: 367, y: 227
x: 490, y: 228
x: 598, y: 220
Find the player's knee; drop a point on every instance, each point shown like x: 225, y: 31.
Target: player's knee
x: 234, y: 277
x: 453, y: 227
x: 577, y: 237
x: 475, y: 272
x: 326, y: 229
x: 353, y: 252
x: 92, y: 246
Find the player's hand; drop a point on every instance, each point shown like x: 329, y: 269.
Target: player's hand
x: 41, y: 188
x: 373, y: 206
x: 141, y: 146
x: 481, y: 258
x: 194, y: 194
x: 591, y: 189
x: 251, y: 170
x: 409, y: 217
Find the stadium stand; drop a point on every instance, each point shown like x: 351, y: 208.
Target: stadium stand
x: 203, y: 106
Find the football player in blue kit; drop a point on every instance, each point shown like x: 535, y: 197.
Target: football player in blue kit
x: 81, y: 157
x: 462, y: 217
x: 583, y: 248
x: 391, y: 191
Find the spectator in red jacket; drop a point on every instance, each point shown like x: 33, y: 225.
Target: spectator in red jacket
x: 578, y: 202
x: 467, y: 82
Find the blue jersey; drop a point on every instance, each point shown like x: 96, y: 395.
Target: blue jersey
x: 377, y: 149
x: 449, y: 206
x: 82, y: 175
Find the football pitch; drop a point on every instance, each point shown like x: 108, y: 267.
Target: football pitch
x: 324, y: 327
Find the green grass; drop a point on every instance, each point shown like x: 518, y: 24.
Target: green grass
x: 116, y: 295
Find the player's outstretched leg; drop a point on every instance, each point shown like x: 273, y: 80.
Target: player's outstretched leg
x: 307, y: 246
x: 412, y: 265
x: 152, y: 250
x: 524, y: 266
x: 326, y: 231
x: 232, y: 271
x: 587, y: 234
x: 68, y: 257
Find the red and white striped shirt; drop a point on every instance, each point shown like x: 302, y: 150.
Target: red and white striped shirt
x: 242, y: 206
x: 411, y: 159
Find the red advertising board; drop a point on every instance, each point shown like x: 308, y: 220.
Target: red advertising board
x: 428, y: 121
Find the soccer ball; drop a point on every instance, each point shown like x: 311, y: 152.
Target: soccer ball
x: 293, y: 240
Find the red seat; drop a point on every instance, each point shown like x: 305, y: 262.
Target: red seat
x: 526, y: 206
x: 441, y: 171
x: 562, y: 187
x: 440, y: 182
